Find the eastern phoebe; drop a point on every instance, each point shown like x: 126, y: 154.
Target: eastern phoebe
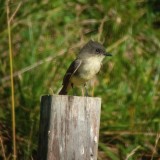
x: 84, y: 67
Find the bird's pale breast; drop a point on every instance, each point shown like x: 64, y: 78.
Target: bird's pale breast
x: 88, y: 69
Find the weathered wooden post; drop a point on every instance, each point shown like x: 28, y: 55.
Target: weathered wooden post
x: 69, y: 128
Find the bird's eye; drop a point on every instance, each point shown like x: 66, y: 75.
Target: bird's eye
x: 98, y: 50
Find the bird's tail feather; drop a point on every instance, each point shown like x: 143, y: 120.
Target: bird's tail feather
x: 65, y: 89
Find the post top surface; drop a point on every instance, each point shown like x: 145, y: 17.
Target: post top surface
x: 69, y: 96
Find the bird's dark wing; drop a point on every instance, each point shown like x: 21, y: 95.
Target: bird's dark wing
x: 71, y: 70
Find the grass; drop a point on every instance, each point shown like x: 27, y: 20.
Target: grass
x: 12, y: 83
x: 43, y: 32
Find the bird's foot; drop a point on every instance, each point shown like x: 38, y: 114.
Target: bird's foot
x: 86, y: 91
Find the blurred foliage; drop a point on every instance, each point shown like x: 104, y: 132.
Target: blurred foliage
x: 44, y: 32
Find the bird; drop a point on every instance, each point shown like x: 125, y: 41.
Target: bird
x: 86, y: 65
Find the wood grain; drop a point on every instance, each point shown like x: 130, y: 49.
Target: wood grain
x: 69, y: 128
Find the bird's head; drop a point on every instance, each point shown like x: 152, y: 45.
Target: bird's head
x: 93, y: 49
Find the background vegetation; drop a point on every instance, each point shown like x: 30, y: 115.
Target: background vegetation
x: 44, y: 32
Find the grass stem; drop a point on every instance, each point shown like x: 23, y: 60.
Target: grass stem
x: 12, y: 84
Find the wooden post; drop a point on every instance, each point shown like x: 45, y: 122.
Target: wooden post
x: 69, y: 128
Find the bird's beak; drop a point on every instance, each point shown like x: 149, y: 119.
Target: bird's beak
x: 107, y: 54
